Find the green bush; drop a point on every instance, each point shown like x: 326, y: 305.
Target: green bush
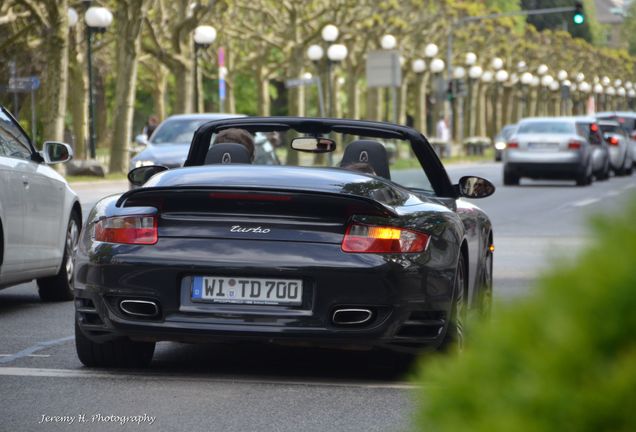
x: 562, y: 360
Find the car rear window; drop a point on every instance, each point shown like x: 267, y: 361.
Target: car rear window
x: 610, y: 128
x: 547, y: 127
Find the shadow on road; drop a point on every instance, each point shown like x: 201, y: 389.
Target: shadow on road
x: 263, y: 361
x: 13, y: 301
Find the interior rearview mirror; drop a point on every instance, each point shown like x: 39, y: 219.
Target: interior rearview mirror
x: 56, y: 152
x: 475, y: 187
x: 313, y: 144
x: 141, y: 175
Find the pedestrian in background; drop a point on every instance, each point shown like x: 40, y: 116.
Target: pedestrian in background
x: 443, y: 135
x: 151, y: 125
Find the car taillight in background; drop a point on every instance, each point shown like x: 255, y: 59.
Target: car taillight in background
x: 127, y: 230
x: 383, y: 239
x: 512, y: 144
x: 612, y: 141
x: 574, y: 144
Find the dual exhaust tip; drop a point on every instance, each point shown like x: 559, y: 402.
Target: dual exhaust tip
x: 351, y: 316
x: 340, y: 316
x: 140, y: 308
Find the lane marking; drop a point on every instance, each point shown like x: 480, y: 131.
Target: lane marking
x: 611, y: 194
x: 30, y: 355
x: 629, y: 186
x: 585, y: 202
x: 35, y: 348
x: 150, y: 376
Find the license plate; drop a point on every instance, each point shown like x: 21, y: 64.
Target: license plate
x: 241, y: 290
x: 543, y: 145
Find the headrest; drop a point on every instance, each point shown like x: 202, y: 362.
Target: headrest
x: 227, y: 153
x: 367, y: 151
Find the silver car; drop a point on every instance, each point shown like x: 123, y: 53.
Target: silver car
x: 620, y: 149
x: 551, y: 148
x: 40, y: 216
x: 170, y: 142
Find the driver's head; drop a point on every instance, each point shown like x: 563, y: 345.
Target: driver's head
x: 238, y: 136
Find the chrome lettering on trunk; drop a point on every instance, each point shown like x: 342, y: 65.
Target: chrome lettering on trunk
x: 257, y: 230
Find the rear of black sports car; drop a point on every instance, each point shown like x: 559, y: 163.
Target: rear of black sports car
x: 324, y: 266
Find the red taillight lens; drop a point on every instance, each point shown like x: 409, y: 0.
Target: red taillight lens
x: 574, y: 145
x: 127, y: 230
x: 383, y: 239
x: 594, y: 127
x: 512, y: 144
x: 613, y: 141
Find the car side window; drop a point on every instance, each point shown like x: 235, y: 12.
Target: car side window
x: 13, y: 143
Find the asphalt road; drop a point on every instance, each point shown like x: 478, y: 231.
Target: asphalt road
x: 262, y: 388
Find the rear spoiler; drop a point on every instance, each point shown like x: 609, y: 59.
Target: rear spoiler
x: 136, y: 196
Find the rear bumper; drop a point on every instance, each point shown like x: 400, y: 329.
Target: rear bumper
x: 409, y: 297
x: 567, y: 170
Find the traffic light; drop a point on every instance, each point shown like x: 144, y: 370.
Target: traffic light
x: 579, y: 14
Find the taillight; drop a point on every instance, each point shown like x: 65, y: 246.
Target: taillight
x: 613, y: 140
x: 127, y: 230
x: 574, y: 144
x: 383, y: 239
x: 512, y: 144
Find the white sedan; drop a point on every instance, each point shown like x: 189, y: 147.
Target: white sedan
x: 40, y: 215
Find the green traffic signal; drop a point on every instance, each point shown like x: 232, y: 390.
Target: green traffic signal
x: 579, y: 15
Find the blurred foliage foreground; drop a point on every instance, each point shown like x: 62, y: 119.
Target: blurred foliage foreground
x: 564, y: 360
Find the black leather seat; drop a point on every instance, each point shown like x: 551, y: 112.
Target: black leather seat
x: 367, y: 151
x: 227, y: 153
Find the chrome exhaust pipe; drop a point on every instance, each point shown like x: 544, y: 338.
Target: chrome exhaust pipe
x: 141, y: 308
x: 351, y: 316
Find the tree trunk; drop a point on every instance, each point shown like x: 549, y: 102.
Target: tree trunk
x: 159, y: 91
x: 101, y: 110
x: 54, y: 86
x: 129, y: 18
x: 184, y: 90
x: 374, y: 103
x: 262, y: 82
x: 481, y: 124
x: 78, y: 95
x: 353, y: 97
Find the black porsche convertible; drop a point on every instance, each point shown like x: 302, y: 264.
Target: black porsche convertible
x: 222, y: 250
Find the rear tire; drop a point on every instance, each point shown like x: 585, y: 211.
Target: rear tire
x: 484, y: 301
x: 454, y: 338
x: 605, y: 173
x: 117, y: 353
x: 60, y: 286
x: 510, y: 179
x: 585, y: 177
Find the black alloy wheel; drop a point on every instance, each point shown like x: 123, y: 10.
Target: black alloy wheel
x: 454, y: 339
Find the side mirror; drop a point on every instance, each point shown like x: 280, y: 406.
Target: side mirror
x: 141, y: 175
x: 475, y: 187
x: 142, y: 139
x: 56, y: 152
x: 313, y: 144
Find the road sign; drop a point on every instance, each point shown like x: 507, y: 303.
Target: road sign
x: 23, y: 84
x: 300, y: 82
x: 383, y: 69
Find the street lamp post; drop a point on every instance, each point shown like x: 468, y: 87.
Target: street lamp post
x: 474, y: 74
x: 388, y: 42
x: 97, y: 19
x: 419, y: 67
x: 203, y: 37
x: 335, y: 54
